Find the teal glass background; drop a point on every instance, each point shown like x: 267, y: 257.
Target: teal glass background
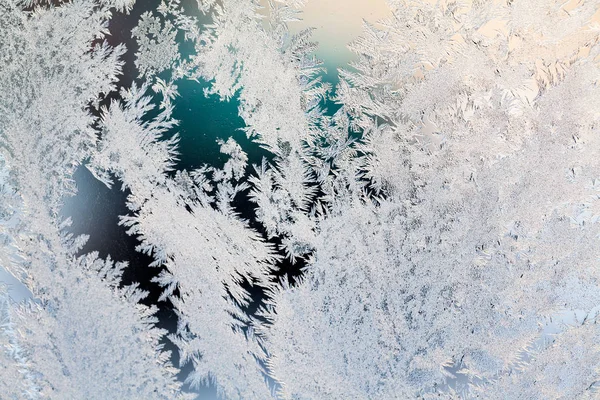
x: 95, y: 209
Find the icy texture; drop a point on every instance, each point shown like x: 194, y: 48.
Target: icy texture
x: 84, y: 336
x: 483, y: 142
x: 445, y: 213
x: 188, y: 225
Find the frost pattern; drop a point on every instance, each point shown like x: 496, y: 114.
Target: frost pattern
x: 17, y: 381
x: 566, y: 369
x: 208, y: 251
x: 158, y: 49
x: 483, y: 223
x: 445, y: 213
x: 84, y: 336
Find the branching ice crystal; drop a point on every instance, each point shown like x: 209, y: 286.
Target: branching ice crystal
x: 445, y: 217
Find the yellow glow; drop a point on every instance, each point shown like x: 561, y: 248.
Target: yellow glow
x: 337, y: 23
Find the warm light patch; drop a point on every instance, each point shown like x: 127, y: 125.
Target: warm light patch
x: 337, y: 23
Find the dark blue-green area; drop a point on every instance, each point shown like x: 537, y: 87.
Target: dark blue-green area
x: 95, y: 210
x: 202, y: 121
